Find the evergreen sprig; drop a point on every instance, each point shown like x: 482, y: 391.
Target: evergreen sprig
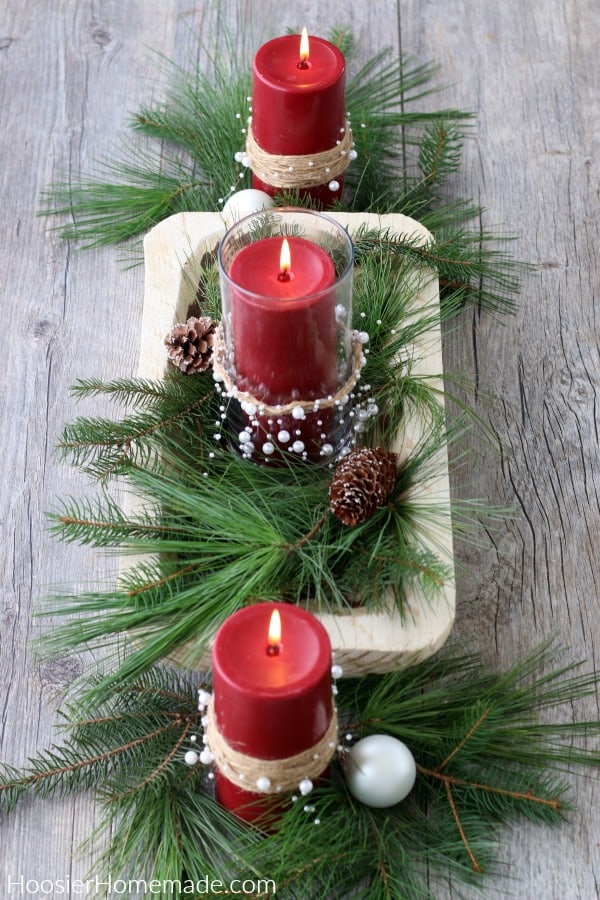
x: 484, y: 759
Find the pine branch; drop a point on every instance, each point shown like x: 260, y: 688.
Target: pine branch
x: 103, y: 524
x: 160, y: 768
x: 462, y: 743
x: 162, y: 819
x: 139, y: 392
x: 552, y: 803
x: 103, y: 447
x: 125, y: 197
x: 439, y: 153
x: 51, y: 769
x: 475, y: 865
x: 466, y: 266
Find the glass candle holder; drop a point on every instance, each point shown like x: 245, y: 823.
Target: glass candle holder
x: 286, y: 353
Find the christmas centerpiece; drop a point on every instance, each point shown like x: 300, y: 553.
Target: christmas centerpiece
x: 287, y: 533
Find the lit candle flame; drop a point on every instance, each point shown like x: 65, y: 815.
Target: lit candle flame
x: 304, y: 50
x: 285, y: 259
x: 274, y: 630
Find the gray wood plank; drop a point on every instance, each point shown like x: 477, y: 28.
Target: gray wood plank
x: 531, y: 74
x: 70, y: 74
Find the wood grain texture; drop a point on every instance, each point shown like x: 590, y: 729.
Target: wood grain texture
x: 70, y: 74
x: 531, y: 74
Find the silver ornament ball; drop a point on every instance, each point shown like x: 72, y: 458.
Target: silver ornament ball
x: 380, y: 770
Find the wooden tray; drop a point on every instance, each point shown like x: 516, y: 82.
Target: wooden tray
x: 362, y: 641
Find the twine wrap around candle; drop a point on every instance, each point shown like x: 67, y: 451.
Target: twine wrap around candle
x: 222, y: 374
x: 269, y: 776
x: 304, y: 171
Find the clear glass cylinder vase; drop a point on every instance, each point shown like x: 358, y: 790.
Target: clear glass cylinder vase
x: 286, y: 353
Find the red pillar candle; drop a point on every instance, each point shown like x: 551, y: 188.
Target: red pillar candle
x: 285, y: 349
x: 298, y: 106
x: 283, y: 321
x: 270, y: 702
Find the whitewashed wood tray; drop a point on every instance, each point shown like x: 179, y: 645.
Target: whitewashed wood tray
x: 362, y: 641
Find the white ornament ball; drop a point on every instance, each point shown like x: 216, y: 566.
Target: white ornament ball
x: 244, y: 203
x: 380, y: 770
x: 191, y: 758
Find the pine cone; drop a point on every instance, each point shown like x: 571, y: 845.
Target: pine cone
x: 190, y: 344
x: 362, y: 482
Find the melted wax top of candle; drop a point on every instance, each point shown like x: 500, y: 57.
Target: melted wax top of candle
x: 277, y: 64
x: 244, y: 661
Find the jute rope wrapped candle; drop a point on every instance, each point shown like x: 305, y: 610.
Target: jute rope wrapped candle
x: 270, y: 776
x: 300, y: 171
x: 299, y: 137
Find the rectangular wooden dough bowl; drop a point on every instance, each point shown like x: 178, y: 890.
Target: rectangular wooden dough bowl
x: 362, y: 641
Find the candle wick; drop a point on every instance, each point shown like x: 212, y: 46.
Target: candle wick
x: 273, y: 649
x: 303, y: 64
x: 283, y: 276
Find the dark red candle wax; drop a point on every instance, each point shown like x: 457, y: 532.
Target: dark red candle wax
x: 269, y: 705
x: 284, y: 327
x: 298, y: 109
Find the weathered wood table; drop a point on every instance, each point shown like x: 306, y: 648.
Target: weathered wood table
x: 70, y: 75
